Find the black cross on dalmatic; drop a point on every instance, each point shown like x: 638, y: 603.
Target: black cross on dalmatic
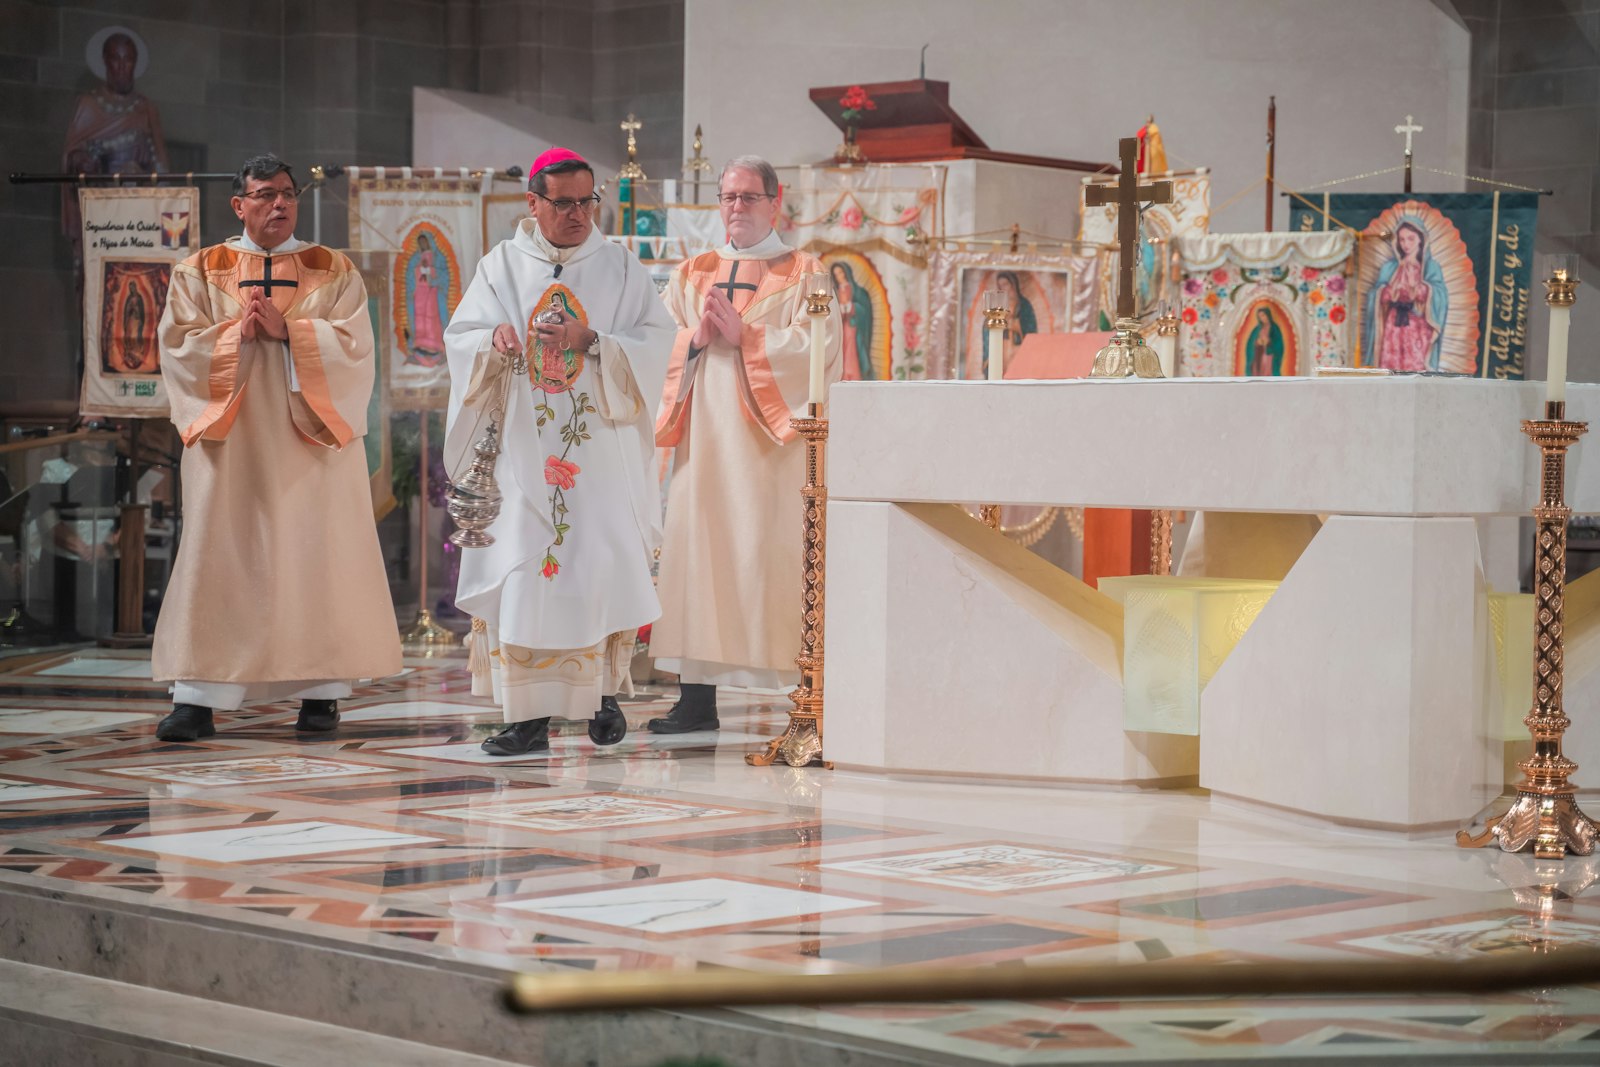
x: 731, y: 284
x: 268, y: 282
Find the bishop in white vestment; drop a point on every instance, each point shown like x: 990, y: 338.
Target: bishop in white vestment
x: 557, y: 598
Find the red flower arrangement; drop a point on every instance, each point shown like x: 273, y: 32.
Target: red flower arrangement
x: 855, y: 101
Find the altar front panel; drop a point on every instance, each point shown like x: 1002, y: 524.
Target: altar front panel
x: 1368, y: 446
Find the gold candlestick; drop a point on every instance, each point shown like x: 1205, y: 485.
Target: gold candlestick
x: 1545, y: 813
x: 996, y: 317
x: 801, y: 743
x: 1161, y: 541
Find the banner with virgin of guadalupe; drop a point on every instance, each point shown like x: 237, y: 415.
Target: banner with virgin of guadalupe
x: 867, y: 225
x: 131, y: 240
x: 1263, y: 304
x: 434, y: 226
x: 1444, y: 278
x: 1188, y: 215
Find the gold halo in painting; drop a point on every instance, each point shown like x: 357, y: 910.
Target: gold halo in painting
x: 1443, y: 261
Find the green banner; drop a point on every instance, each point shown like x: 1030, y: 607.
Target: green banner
x: 1443, y: 282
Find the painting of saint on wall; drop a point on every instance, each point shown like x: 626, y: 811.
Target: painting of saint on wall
x: 133, y: 296
x: 1036, y: 301
x: 863, y: 303
x: 427, y: 290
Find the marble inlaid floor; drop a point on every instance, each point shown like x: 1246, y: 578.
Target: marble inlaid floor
x: 398, y: 835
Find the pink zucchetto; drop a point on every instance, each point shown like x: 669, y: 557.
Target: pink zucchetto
x: 552, y: 156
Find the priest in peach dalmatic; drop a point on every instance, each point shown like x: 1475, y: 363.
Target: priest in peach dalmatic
x: 279, y: 590
x: 730, y: 559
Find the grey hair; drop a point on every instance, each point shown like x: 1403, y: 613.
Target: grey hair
x: 261, y: 168
x: 769, y: 177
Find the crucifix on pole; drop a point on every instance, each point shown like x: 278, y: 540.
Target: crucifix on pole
x: 1408, y: 129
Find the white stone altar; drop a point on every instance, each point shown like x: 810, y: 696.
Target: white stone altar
x: 1365, y: 690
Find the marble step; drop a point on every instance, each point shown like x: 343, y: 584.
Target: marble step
x: 58, y: 1017
x: 448, y: 1005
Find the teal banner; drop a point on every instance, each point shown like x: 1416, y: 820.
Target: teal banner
x: 1443, y: 282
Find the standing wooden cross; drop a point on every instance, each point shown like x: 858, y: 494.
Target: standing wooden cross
x: 1127, y: 195
x: 1408, y: 129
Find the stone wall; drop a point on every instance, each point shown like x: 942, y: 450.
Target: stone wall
x: 315, y: 82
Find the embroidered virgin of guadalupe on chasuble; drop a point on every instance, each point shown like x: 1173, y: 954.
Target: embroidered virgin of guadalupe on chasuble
x: 258, y: 593
x: 1444, y: 278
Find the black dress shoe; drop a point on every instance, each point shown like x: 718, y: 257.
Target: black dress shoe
x: 695, y: 710
x: 317, y: 716
x: 188, y: 722
x: 609, y: 725
x: 520, y: 738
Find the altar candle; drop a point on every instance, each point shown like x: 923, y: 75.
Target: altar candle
x: 1560, y: 288
x: 997, y: 337
x: 1167, y: 353
x: 817, y: 283
x: 1555, y: 386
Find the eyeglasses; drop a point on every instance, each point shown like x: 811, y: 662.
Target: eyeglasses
x: 746, y: 199
x: 267, y: 196
x: 567, y: 207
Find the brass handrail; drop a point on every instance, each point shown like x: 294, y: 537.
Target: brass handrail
x: 644, y: 990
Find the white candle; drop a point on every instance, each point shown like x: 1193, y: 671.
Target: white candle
x: 1167, y: 353
x: 997, y: 353
x: 819, y: 361
x: 1555, y: 386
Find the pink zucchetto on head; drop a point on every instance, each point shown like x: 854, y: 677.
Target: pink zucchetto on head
x: 552, y: 156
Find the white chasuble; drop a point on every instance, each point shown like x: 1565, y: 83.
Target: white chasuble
x: 581, y: 517
x: 730, y: 561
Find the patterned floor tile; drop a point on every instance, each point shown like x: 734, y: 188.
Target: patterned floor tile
x: 500, y: 871
x: 1468, y: 936
x: 247, y: 771
x: 16, y: 791
x: 673, y: 907
x: 65, y: 721
x: 1239, y: 905
x: 1000, y: 868
x: 969, y: 943
x: 270, y: 842
x: 595, y: 811
x: 757, y: 839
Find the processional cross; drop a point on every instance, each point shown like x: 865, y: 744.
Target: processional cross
x: 698, y: 164
x: 1127, y: 195
x: 1408, y: 129
x: 631, y: 169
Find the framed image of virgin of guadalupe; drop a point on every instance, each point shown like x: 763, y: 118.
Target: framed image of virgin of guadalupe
x: 1046, y: 292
